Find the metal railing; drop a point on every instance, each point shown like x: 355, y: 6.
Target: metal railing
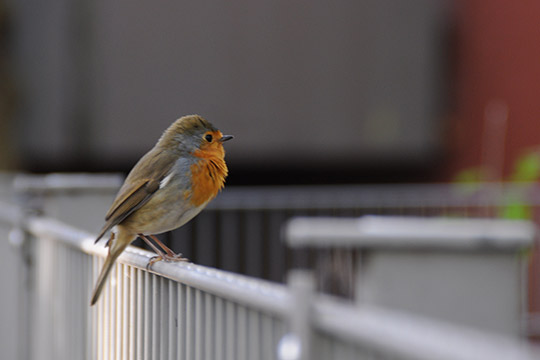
x: 210, y: 314
x: 466, y: 271
x: 187, y: 311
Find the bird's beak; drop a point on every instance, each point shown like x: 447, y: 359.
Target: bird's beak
x: 226, y: 138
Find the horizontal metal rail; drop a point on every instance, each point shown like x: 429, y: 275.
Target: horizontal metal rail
x: 411, y: 233
x: 403, y: 336
x: 343, y: 331
x: 187, y: 311
x: 317, y: 196
x: 393, y: 196
x: 264, y: 295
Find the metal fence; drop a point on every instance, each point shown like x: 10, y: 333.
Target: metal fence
x: 240, y: 231
x: 210, y: 314
x: 465, y: 271
x: 187, y: 311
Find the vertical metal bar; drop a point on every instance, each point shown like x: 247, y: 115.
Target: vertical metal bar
x: 199, y: 324
x: 111, y: 300
x: 12, y: 311
x: 113, y: 319
x: 77, y: 320
x: 231, y: 329
x: 45, y: 316
x: 147, y: 338
x: 254, y: 335
x: 71, y: 337
x: 268, y: 349
x: 118, y: 306
x: 323, y: 347
x: 127, y: 310
x: 82, y: 305
x: 164, y: 317
x: 141, y: 291
x: 156, y: 317
x: 242, y: 332
x: 99, y: 313
x: 105, y: 325
x: 173, y: 321
x: 302, y: 287
x: 190, y: 323
x: 59, y: 282
x: 90, y: 344
x: 182, y: 319
x: 279, y: 330
x: 56, y: 285
x: 59, y: 286
x: 133, y: 275
x: 26, y: 293
x: 209, y: 327
x: 219, y: 316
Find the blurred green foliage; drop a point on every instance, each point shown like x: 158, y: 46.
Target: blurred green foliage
x: 515, y: 204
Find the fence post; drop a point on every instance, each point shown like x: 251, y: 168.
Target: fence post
x: 15, y: 276
x: 79, y: 200
x: 296, y: 345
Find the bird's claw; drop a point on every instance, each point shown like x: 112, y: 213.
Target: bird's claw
x: 176, y: 258
x: 167, y: 258
x: 153, y: 259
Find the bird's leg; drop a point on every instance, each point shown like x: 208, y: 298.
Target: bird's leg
x: 160, y: 255
x: 170, y: 256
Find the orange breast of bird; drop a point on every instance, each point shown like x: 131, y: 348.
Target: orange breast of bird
x: 208, y: 173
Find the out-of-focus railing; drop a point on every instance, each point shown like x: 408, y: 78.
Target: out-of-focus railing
x: 466, y: 271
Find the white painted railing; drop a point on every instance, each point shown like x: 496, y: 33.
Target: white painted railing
x: 466, y: 271
x: 177, y: 311
x: 186, y: 311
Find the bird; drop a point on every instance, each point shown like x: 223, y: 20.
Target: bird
x: 165, y: 189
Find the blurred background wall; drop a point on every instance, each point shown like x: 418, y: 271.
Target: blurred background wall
x: 315, y: 91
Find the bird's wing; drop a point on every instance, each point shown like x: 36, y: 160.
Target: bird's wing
x: 142, y: 182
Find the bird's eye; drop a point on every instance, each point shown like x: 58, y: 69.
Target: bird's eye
x: 208, y: 137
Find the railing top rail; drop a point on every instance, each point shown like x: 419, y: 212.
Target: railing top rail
x: 411, y: 232
x: 412, y: 337
x: 264, y: 295
x: 57, y: 182
x: 394, y: 333
x: 376, y: 196
x: 434, y: 195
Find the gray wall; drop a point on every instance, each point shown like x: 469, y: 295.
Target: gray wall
x: 310, y: 81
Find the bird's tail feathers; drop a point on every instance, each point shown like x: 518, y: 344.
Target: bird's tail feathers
x: 114, y: 251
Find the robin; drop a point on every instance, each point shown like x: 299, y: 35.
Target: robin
x: 167, y: 187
